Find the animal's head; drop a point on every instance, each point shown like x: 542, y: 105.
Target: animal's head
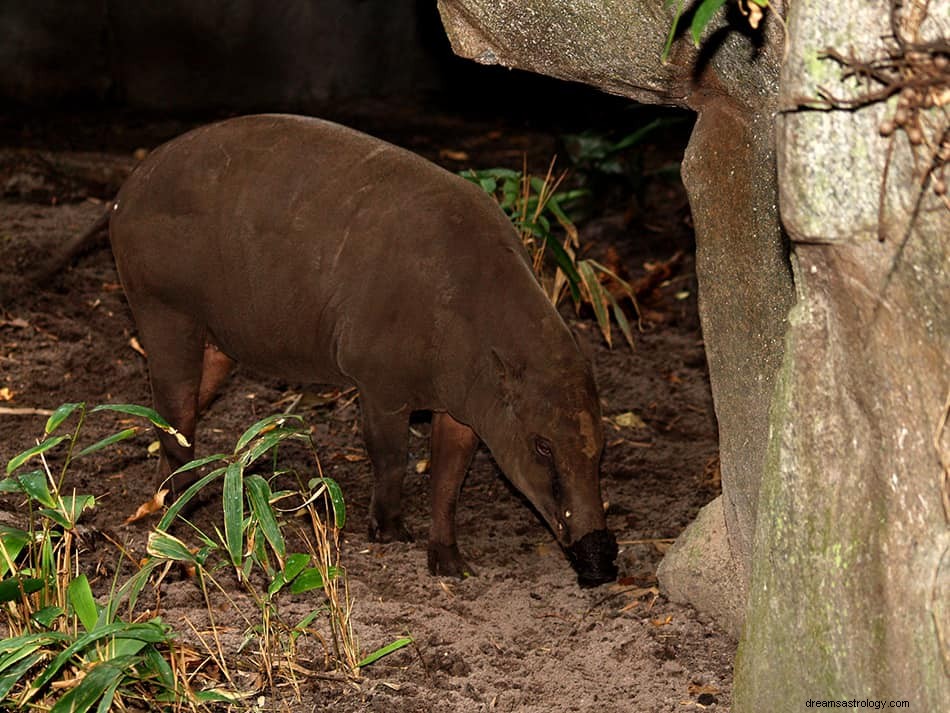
x: 545, y: 432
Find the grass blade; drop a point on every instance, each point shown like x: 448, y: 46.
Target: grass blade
x: 385, y: 651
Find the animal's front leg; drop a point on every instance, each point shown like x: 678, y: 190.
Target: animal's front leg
x: 453, y: 444
x: 387, y: 441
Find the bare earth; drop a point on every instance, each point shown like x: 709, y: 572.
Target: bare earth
x: 519, y: 636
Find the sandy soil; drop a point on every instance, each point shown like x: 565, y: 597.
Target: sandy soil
x: 520, y: 636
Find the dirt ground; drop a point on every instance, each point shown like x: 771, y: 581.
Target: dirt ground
x: 519, y: 636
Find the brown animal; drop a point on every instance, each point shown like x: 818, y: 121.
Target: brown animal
x: 307, y: 250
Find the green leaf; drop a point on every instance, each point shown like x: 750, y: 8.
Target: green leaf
x: 640, y: 134
x: 146, y: 413
x: 12, y: 542
x: 564, y: 261
x: 168, y: 547
x: 384, y: 651
x: 665, y: 54
x: 83, y: 603
x: 595, y: 293
x: 263, y: 425
x: 336, y: 498
x: 36, y: 450
x: 95, y: 685
x: 108, y: 441
x: 36, y: 485
x: 47, y: 615
x: 232, y: 500
x: 621, y: 319
x: 13, y: 674
x: 185, y: 497
x: 60, y: 415
x: 70, y: 508
x: 703, y: 15
x: 10, y: 587
x: 307, y: 580
x: 198, y: 462
x: 259, y: 495
x: 271, y: 439
x: 295, y: 565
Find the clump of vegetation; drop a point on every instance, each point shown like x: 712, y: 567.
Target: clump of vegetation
x: 537, y: 206
x: 66, y: 652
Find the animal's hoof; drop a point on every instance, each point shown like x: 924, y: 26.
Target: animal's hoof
x: 446, y: 561
x: 389, y: 531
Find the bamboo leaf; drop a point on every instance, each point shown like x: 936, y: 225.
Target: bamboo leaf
x: 83, y: 603
x: 259, y: 495
x: 595, y: 292
x: 108, y: 441
x: 232, y: 501
x: 185, y: 497
x: 36, y: 450
x: 335, y: 493
x: 385, y: 651
x: 149, y: 414
x: 61, y: 414
x: 265, y: 424
x: 168, y: 547
x: 703, y: 15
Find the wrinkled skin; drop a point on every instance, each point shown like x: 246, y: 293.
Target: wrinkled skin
x: 310, y: 251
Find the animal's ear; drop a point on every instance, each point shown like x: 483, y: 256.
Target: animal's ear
x: 509, y: 373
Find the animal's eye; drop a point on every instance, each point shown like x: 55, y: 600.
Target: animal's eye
x: 542, y: 446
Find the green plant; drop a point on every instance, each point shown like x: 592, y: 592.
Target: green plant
x: 64, y: 651
x: 535, y: 206
x: 253, y: 540
x: 60, y: 639
x: 703, y: 15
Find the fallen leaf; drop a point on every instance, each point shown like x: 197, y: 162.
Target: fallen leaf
x: 147, y: 508
x: 662, y: 622
x: 422, y: 466
x: 17, y: 322
x: 695, y: 689
x: 154, y: 447
x: 354, y: 457
x: 629, y: 419
x: 111, y: 286
x: 136, y: 347
x: 6, y: 394
x: 453, y: 154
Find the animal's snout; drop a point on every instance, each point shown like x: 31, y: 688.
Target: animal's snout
x: 592, y: 557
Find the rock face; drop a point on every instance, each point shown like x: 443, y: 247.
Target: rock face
x: 729, y: 171
x: 851, y: 565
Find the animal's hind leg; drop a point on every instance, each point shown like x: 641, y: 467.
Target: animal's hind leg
x: 175, y: 346
x: 216, y: 365
x: 387, y: 440
x: 453, y: 445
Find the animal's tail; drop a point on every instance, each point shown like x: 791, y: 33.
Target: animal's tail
x: 73, y: 247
